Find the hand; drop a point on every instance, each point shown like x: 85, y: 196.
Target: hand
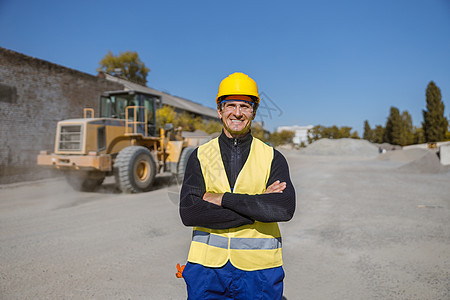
x: 213, y: 198
x: 276, y: 187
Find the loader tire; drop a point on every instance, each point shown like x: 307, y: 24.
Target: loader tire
x: 135, y: 169
x: 84, y: 182
x: 181, y: 167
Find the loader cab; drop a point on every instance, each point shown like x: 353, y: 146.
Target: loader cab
x: 131, y: 104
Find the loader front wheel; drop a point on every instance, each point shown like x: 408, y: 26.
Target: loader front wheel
x: 135, y: 169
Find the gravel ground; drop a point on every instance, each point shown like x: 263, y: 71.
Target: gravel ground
x: 364, y: 228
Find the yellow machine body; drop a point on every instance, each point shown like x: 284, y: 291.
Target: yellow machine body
x: 127, y: 119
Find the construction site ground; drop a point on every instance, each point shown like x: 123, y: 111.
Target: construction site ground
x: 367, y: 226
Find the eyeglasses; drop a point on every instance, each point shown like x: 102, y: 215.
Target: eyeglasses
x: 244, y: 107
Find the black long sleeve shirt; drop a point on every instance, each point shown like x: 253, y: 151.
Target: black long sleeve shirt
x: 236, y: 209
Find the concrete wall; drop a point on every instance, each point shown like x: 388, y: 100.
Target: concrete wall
x: 34, y: 96
x: 444, y: 154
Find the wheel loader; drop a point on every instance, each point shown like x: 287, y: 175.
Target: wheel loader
x: 122, y: 142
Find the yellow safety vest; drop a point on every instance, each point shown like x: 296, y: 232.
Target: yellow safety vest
x: 249, y: 247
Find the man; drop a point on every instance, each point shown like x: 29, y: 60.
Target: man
x: 234, y: 191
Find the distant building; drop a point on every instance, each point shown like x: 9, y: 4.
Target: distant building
x: 301, y: 133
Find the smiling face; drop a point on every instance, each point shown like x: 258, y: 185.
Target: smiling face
x: 237, y: 116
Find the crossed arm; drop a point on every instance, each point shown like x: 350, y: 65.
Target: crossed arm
x: 276, y: 187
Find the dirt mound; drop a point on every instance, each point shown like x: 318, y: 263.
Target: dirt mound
x: 427, y: 163
x: 346, y: 147
x: 403, y: 155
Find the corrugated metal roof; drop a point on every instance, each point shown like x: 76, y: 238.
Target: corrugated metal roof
x: 168, y: 99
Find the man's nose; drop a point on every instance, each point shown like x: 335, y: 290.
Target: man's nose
x: 237, y: 110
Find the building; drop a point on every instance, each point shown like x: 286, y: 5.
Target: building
x: 301, y: 133
x: 36, y: 94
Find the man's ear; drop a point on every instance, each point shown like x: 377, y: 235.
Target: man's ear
x: 219, y: 113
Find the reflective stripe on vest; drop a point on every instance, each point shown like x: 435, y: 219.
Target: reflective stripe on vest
x: 236, y: 243
x: 250, y: 247
x: 210, y: 239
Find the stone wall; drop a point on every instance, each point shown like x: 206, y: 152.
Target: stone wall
x: 34, y: 96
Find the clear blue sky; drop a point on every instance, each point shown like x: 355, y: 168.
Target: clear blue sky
x: 321, y: 62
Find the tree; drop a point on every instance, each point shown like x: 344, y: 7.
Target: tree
x: 258, y: 131
x: 399, y: 128
x: 407, y: 133
x: 188, y: 121
x: 354, y: 135
x: 165, y: 114
x: 419, y: 137
x: 378, y: 134
x: 434, y: 122
x: 320, y: 132
x: 368, y: 133
x: 375, y: 135
x: 315, y: 133
x: 185, y: 120
x: 393, y: 127
x: 212, y: 126
x: 282, y: 138
x: 126, y: 65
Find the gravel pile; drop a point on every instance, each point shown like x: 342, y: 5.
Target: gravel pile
x: 417, y: 160
x: 428, y: 163
x: 345, y: 147
x: 403, y: 155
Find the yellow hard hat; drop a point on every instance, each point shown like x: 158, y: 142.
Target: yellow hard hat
x: 238, y: 84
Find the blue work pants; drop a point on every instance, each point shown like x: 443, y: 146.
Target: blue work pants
x: 228, y: 282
